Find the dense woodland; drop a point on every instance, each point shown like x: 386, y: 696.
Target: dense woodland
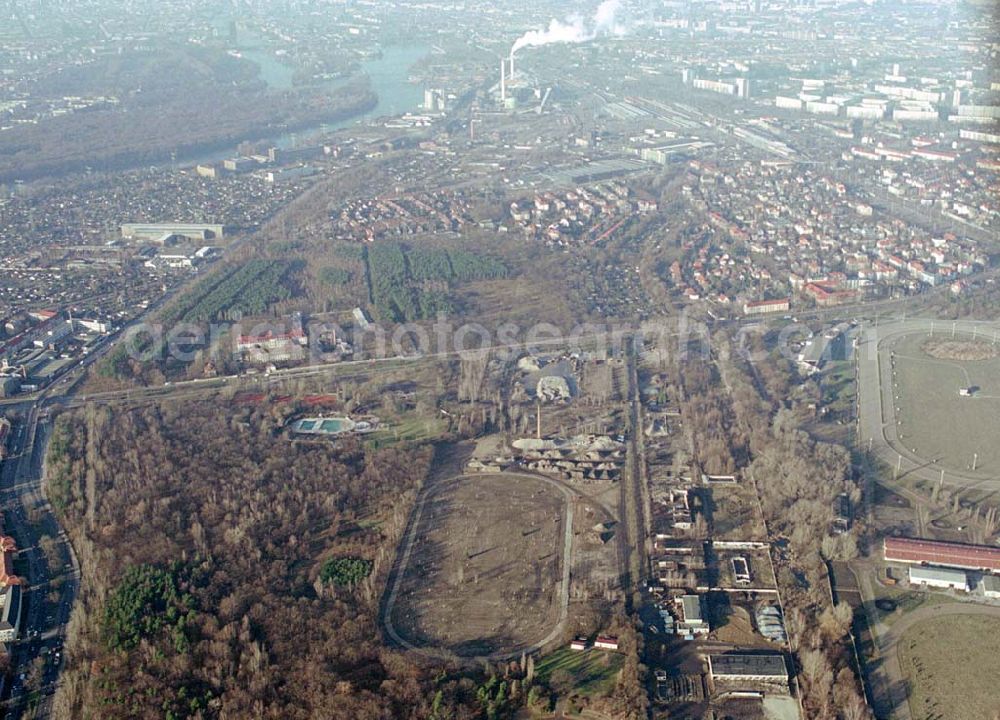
x: 206, y: 541
x: 249, y: 289
x: 174, y: 99
x: 230, y: 573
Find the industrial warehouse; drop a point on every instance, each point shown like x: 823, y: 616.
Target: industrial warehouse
x: 748, y: 669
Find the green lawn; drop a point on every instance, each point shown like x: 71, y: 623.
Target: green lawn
x: 593, y: 671
x: 412, y: 429
x: 838, y: 386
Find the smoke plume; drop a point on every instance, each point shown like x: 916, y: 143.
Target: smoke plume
x: 575, y: 29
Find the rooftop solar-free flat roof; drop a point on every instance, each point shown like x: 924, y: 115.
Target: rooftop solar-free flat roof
x: 737, y: 665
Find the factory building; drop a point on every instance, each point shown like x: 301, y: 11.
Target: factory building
x: 748, y: 668
x: 10, y: 385
x: 155, y: 231
x: 692, y: 621
x: 991, y: 586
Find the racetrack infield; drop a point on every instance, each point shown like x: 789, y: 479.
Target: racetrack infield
x: 482, y: 568
x: 938, y: 424
x: 952, y: 667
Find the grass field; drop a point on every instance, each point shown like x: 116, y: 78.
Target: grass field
x: 906, y: 602
x: 953, y: 668
x: 485, y: 567
x: 934, y: 419
x: 410, y: 429
x: 593, y: 671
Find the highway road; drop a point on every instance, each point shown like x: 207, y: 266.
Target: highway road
x: 53, y: 578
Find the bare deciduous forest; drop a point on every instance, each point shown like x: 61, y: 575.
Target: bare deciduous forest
x: 157, y: 110
x: 210, y: 521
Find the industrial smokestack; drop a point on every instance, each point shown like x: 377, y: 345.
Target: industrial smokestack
x: 503, y: 80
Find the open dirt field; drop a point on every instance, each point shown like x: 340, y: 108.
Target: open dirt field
x: 942, y: 349
x: 482, y: 569
x: 952, y: 668
x: 934, y: 420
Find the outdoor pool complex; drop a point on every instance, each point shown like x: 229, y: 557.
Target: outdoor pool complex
x: 329, y: 426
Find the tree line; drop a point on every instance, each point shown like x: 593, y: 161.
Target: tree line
x: 797, y: 479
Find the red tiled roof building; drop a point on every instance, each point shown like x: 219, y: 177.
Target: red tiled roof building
x: 933, y: 552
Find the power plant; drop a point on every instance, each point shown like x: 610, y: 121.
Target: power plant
x: 512, y: 88
x: 573, y: 30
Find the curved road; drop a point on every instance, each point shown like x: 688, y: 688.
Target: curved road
x: 404, y: 560
x: 890, y: 652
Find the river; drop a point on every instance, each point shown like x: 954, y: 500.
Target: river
x: 389, y: 76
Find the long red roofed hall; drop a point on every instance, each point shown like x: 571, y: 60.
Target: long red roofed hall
x: 933, y: 552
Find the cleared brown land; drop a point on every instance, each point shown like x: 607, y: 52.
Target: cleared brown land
x: 960, y: 349
x: 952, y: 667
x: 484, y: 567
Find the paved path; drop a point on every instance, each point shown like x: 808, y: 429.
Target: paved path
x: 400, y: 571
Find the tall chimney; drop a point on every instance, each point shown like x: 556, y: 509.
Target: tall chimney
x: 503, y: 80
x: 538, y: 422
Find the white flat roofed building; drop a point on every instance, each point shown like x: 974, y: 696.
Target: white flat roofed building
x: 155, y: 231
x: 10, y: 613
x: 693, y: 620
x: 940, y: 577
x: 753, y: 667
x: 991, y: 586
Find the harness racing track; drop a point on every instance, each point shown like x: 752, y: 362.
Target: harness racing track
x: 910, y: 413
x: 483, y: 569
